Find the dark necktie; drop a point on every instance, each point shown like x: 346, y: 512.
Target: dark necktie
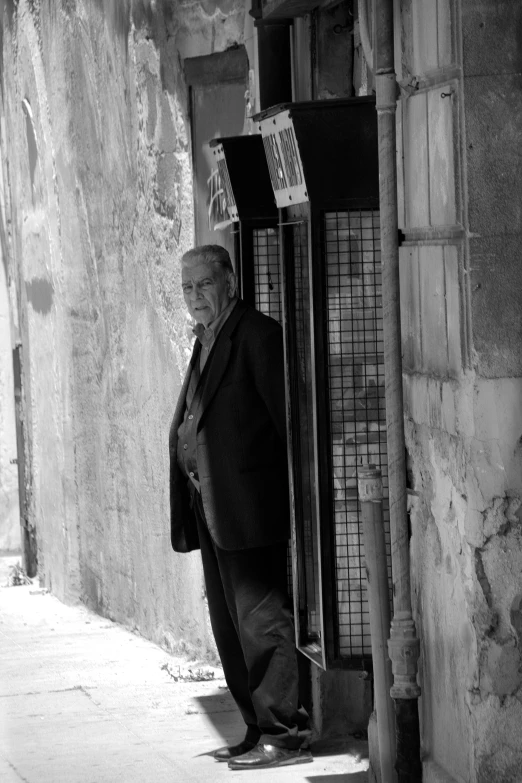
x: 193, y: 382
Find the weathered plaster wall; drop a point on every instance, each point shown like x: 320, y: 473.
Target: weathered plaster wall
x: 461, y: 275
x: 463, y: 442
x: 96, y: 156
x: 9, y: 506
x: 207, y: 26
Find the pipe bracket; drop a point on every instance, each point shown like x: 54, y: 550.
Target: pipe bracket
x: 385, y: 91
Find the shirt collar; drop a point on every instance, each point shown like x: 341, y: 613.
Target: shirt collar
x: 207, y: 335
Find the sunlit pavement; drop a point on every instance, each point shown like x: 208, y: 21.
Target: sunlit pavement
x: 83, y: 700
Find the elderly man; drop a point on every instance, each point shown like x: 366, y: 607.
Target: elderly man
x: 229, y: 497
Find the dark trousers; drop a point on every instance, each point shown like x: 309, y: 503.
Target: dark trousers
x: 253, y: 627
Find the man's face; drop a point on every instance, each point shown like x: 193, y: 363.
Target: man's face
x: 206, y: 289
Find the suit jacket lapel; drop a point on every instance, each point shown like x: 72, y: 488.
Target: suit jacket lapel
x: 217, y: 366
x: 217, y: 362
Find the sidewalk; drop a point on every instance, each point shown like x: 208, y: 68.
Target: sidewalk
x: 83, y: 700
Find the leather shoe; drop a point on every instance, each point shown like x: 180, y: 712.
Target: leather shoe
x: 265, y: 756
x: 230, y: 752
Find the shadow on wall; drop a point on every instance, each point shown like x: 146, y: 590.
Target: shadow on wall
x: 40, y: 293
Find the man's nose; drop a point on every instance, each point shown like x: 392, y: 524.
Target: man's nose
x: 195, y: 292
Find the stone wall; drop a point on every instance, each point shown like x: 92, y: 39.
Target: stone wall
x: 9, y: 505
x: 460, y: 126
x: 97, y: 164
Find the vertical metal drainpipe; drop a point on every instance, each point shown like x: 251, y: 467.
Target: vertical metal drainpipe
x: 403, y: 645
x: 370, y: 498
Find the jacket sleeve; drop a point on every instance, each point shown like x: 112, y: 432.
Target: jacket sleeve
x: 182, y: 520
x: 269, y: 378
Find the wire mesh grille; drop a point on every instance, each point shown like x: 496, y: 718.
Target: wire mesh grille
x: 267, y: 277
x: 267, y: 293
x: 357, y: 405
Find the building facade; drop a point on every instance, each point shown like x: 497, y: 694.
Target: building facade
x: 108, y: 177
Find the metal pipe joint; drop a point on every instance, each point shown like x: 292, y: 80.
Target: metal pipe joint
x: 404, y: 651
x: 370, y: 484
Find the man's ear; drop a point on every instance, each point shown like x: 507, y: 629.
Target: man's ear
x: 232, y: 285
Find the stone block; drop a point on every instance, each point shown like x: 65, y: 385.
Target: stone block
x: 415, y: 398
x: 434, y: 399
x: 489, y: 40
x: 493, y: 108
x: 486, y: 410
x: 448, y: 408
x: 487, y: 468
x: 499, y: 754
x: 509, y: 423
x: 464, y: 419
x: 496, y: 314
x: 502, y: 669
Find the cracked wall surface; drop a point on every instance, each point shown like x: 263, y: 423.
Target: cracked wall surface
x: 97, y: 163
x: 467, y: 571
x: 460, y: 280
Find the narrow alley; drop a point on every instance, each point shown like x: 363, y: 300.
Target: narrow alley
x: 261, y: 334
x: 82, y: 700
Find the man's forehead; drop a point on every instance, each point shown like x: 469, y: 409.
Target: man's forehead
x: 198, y: 269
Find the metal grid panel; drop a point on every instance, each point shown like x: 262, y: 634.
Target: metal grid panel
x: 357, y: 405
x: 267, y: 293
x: 267, y: 276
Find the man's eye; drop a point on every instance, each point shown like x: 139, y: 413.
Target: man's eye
x: 186, y: 288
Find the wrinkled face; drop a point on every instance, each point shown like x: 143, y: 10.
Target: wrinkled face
x: 207, y: 290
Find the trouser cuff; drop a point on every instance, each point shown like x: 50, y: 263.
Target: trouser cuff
x: 290, y: 743
x: 252, y: 734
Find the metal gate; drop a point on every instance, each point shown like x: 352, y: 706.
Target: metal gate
x: 334, y: 333
x: 357, y: 416
x: 267, y: 296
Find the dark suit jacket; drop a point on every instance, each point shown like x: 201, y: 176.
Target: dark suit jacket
x: 239, y: 409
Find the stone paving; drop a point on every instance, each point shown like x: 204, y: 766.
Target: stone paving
x: 83, y: 700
